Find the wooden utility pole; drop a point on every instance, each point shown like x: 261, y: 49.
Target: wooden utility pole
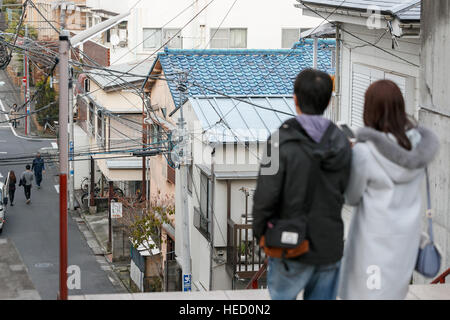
x: 144, y: 159
x: 110, y: 197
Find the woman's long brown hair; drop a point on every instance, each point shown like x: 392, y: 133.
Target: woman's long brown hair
x: 12, y: 176
x: 384, y: 110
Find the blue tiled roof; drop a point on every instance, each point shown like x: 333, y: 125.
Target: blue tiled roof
x: 239, y: 72
x: 322, y: 44
x: 326, y: 50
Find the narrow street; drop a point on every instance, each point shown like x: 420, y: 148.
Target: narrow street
x: 34, y: 228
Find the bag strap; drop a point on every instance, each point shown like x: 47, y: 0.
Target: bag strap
x: 429, y: 212
x: 312, y: 180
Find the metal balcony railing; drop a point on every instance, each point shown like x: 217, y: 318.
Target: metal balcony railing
x: 244, y: 256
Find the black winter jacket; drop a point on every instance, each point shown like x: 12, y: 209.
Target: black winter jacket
x: 287, y: 193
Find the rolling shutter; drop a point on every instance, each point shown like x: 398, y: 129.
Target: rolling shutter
x: 362, y: 78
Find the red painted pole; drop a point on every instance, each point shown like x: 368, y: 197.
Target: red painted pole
x: 63, y: 144
x: 26, y: 93
x: 63, y: 237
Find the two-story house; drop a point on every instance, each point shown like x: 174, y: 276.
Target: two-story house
x: 235, y: 99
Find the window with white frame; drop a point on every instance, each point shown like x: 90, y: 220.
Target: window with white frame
x: 228, y: 38
x: 101, y: 128
x: 176, y: 41
x: 154, y: 38
x: 362, y: 78
x: 289, y: 36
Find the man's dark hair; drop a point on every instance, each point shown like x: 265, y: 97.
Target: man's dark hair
x: 27, y: 167
x: 313, y: 89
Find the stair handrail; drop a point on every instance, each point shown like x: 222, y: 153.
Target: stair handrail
x: 253, y: 284
x: 441, y: 278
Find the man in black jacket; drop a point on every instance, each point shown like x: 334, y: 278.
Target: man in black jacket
x: 292, y: 192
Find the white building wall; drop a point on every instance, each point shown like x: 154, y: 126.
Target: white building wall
x: 354, y: 51
x: 81, y: 168
x: 264, y: 20
x: 199, y: 245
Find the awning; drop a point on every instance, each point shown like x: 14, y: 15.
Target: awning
x: 169, y: 230
x: 124, y: 164
x: 229, y: 175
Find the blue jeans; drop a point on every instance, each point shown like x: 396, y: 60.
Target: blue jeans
x: 38, y: 176
x: 320, y: 282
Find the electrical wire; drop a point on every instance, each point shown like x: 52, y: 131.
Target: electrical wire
x: 151, y: 35
x: 359, y: 38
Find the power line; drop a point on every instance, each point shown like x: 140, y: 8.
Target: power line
x: 130, y: 50
x: 281, y: 61
x: 44, y: 17
x: 359, y: 38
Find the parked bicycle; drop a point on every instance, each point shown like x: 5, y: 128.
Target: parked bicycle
x: 85, y: 188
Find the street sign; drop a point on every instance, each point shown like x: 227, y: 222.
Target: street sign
x: 24, y: 81
x: 116, y: 210
x: 186, y: 282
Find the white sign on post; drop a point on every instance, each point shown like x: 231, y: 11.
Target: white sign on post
x: 116, y: 210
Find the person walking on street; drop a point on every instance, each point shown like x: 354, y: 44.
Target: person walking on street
x: 25, y: 180
x: 314, y: 161
x: 12, y: 186
x: 38, y: 167
x: 13, y: 115
x: 388, y: 168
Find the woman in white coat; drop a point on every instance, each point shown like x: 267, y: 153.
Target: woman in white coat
x: 388, y: 169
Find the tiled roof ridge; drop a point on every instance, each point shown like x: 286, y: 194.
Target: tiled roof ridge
x: 230, y: 51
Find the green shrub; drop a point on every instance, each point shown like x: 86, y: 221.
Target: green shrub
x: 46, y: 96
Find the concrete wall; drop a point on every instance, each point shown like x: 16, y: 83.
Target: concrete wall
x: 435, y: 114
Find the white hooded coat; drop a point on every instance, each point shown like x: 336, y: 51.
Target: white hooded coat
x: 386, y: 190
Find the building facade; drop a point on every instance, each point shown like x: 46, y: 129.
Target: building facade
x: 249, y: 24
x: 235, y: 100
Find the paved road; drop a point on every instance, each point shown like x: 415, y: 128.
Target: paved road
x: 34, y: 228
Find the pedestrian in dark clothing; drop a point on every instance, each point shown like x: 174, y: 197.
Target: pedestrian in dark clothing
x: 13, y: 113
x: 25, y: 180
x: 38, y: 168
x: 12, y: 186
x: 304, y: 143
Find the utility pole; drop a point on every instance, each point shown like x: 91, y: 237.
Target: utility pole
x: 182, y: 141
x: 71, y: 144
x: 63, y: 155
x: 144, y: 159
x: 110, y: 197
x: 26, y: 89
x: 63, y: 139
x: 211, y: 218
